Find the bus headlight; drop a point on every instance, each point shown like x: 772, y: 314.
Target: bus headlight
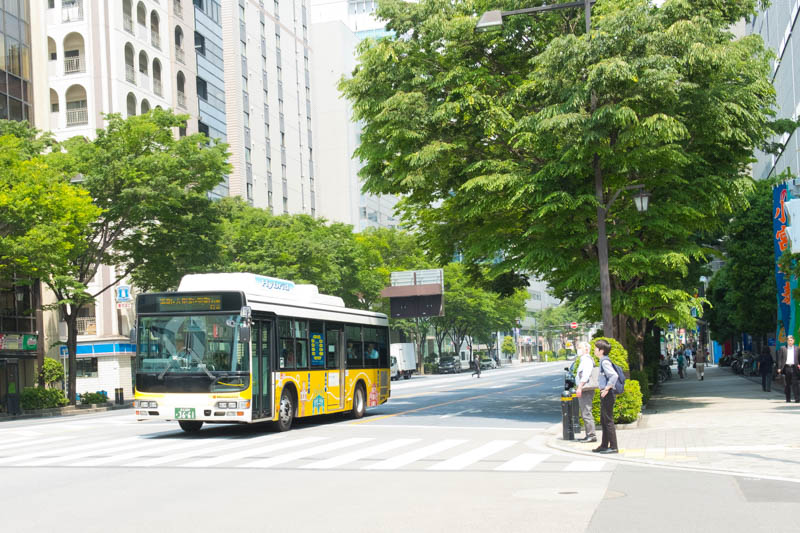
x: 225, y: 405
x: 145, y: 404
x: 244, y: 405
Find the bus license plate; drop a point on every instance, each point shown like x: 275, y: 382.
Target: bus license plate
x: 184, y: 413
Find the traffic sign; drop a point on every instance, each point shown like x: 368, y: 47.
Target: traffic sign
x: 573, y: 325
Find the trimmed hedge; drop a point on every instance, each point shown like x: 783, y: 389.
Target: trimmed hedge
x: 40, y: 398
x: 88, y: 398
x: 628, y: 405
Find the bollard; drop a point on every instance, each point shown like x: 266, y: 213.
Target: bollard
x: 118, y: 396
x: 568, y: 431
x: 576, y: 412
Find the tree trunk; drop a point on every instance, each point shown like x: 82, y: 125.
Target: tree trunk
x: 72, y: 350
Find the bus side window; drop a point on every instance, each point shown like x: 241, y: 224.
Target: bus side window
x: 286, y: 356
x: 354, y: 348
x: 301, y: 343
x: 332, y: 346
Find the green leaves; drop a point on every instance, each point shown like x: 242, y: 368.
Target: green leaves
x: 491, y: 138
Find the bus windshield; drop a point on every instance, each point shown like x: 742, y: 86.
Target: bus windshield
x: 191, y: 344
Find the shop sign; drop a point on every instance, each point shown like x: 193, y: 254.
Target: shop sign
x: 18, y: 342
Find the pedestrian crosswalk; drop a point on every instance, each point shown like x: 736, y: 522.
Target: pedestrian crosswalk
x: 294, y: 450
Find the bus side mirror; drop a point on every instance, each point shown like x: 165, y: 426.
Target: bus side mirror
x: 244, y: 334
x: 132, y: 335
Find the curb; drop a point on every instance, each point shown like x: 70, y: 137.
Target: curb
x: 554, y: 443
x: 65, y: 411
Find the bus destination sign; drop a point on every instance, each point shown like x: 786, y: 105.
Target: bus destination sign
x: 177, y: 302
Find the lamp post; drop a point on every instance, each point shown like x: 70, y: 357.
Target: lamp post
x: 493, y: 20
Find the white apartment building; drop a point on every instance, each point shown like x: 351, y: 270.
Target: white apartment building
x: 267, y: 59
x: 337, y: 28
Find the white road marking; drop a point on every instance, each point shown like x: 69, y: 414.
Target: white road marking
x: 473, y: 456
x: 523, y: 463
x: 360, y: 454
x: 204, y: 451
x: 33, y: 443
x: 415, y: 455
x: 288, y: 457
x: 584, y: 466
x: 147, y: 450
x: 86, y: 446
x: 252, y: 452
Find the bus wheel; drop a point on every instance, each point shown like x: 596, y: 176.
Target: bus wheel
x: 286, y: 413
x: 190, y: 426
x: 359, y: 403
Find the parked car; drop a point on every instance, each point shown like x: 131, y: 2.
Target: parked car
x: 488, y: 363
x: 449, y: 365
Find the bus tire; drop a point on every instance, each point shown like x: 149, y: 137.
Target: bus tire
x: 286, y: 411
x: 359, y: 401
x: 190, y: 426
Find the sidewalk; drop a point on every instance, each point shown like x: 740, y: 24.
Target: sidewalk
x: 725, y: 423
x: 70, y: 410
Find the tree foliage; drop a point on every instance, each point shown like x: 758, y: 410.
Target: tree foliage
x: 742, y: 293
x: 43, y: 220
x: 156, y: 220
x: 495, y: 139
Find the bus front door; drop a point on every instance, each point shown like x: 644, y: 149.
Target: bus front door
x: 262, y: 371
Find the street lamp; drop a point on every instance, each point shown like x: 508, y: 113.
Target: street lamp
x: 493, y: 20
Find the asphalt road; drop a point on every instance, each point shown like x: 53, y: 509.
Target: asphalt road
x: 446, y: 453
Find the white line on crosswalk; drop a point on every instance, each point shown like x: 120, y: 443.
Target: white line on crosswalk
x: 252, y: 452
x: 32, y: 442
x: 86, y: 452
x: 473, y: 456
x: 238, y: 443
x: 85, y: 446
x: 148, y: 450
x: 415, y: 455
x: 300, y: 454
x: 362, y: 453
x: 584, y: 466
x: 522, y: 463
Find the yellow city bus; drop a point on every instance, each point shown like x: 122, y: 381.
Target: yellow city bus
x: 242, y: 348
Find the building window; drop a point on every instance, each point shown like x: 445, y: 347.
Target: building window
x: 199, y: 3
x: 202, y: 89
x: 202, y: 128
x: 200, y: 44
x: 86, y: 367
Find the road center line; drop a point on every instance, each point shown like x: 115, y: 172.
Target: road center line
x: 374, y: 419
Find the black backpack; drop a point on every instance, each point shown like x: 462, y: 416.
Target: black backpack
x: 619, y: 387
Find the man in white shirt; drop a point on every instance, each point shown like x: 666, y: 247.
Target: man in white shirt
x: 789, y: 366
x: 585, y: 395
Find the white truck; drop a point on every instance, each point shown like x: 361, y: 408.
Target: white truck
x: 404, y: 359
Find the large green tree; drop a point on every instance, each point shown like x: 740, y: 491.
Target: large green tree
x: 43, y: 220
x: 742, y: 293
x: 508, y: 146
x: 156, y: 220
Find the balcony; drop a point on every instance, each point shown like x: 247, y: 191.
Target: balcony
x: 178, y: 8
x: 155, y: 39
x: 127, y: 23
x: 181, y: 100
x: 87, y: 325
x: 157, y: 87
x: 130, y: 74
x: 72, y: 13
x: 74, y: 64
x: 179, y: 56
x: 78, y: 117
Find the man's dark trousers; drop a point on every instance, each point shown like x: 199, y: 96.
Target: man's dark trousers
x: 766, y: 382
x: 607, y: 420
x: 792, y: 379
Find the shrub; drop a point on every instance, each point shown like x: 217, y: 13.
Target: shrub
x: 644, y: 384
x: 628, y: 404
x: 93, y: 397
x: 431, y: 368
x: 51, y: 372
x: 40, y: 398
